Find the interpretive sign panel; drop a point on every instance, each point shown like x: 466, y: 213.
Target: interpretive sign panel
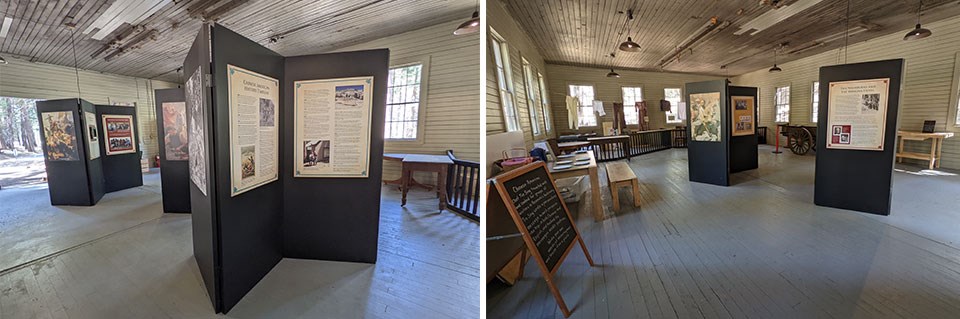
x: 743, y: 110
x: 93, y: 135
x: 857, y: 116
x: 118, y: 130
x: 254, y: 138
x: 332, y: 127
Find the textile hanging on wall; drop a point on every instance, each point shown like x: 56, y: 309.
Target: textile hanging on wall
x: 619, y: 118
x: 573, y: 104
x: 642, y: 117
x: 598, y: 107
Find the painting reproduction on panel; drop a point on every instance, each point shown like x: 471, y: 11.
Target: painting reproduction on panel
x: 705, y: 117
x: 58, y: 130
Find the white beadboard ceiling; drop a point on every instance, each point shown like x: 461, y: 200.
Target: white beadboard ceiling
x: 154, y: 46
x: 585, y: 32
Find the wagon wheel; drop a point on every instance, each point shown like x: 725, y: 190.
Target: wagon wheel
x: 801, y: 141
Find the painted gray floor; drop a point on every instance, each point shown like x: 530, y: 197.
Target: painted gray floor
x: 428, y: 267
x: 757, y: 249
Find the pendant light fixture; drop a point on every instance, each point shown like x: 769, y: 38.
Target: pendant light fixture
x: 613, y: 74
x: 472, y: 25
x: 918, y: 32
x: 775, y: 68
x: 629, y: 45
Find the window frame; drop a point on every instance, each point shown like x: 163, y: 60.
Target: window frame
x: 674, y: 107
x: 532, y: 98
x: 777, y: 104
x: 815, y: 100
x: 545, y: 104
x: 954, y: 111
x: 632, y: 106
x: 596, y: 121
x: 421, y: 108
x: 505, y: 85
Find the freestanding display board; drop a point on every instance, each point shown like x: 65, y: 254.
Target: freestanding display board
x: 743, y: 120
x: 857, y: 131
x: 708, y: 118
x: 119, y: 137
x: 70, y: 147
x: 174, y: 149
x: 243, y: 228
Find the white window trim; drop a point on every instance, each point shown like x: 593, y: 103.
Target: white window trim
x: 955, y: 97
x: 508, y: 78
x: 533, y: 100
x: 425, y: 62
x: 814, y: 115
x: 545, y: 109
x: 666, y: 118
x: 642, y: 98
x: 776, y: 106
x: 596, y: 118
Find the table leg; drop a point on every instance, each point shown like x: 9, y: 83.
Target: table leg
x: 933, y: 153
x: 595, y: 190
x: 939, y: 151
x: 442, y: 187
x: 636, y: 193
x: 615, y: 194
x: 404, y: 185
x: 900, y: 159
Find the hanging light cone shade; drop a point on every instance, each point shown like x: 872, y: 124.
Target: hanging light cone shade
x: 629, y: 45
x: 471, y: 26
x: 613, y: 74
x: 775, y: 69
x: 917, y: 33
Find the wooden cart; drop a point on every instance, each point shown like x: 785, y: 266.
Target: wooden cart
x: 800, y: 139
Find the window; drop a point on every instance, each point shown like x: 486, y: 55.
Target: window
x: 544, y: 104
x: 585, y: 115
x: 815, y: 97
x: 533, y: 105
x: 501, y: 57
x: 674, y: 96
x: 782, y: 101
x: 403, y: 102
x: 631, y: 95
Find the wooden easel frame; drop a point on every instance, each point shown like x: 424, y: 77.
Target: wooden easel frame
x: 531, y: 246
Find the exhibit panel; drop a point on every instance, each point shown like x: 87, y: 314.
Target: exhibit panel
x: 743, y: 127
x: 174, y: 150
x: 72, y: 177
x: 119, y: 140
x: 860, y: 106
x: 345, y: 227
x: 709, y: 138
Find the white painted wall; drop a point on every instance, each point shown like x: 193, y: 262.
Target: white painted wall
x: 24, y: 79
x: 451, y: 84
x: 929, y: 86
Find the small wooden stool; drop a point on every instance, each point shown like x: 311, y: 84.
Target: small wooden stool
x: 619, y: 175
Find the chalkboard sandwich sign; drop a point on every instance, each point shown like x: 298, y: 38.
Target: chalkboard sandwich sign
x: 532, y: 199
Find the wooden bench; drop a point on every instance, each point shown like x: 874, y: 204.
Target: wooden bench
x: 619, y: 175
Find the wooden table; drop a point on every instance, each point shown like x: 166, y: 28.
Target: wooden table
x: 571, y: 146
x: 425, y: 163
x: 398, y: 157
x: 936, y: 146
x: 585, y: 170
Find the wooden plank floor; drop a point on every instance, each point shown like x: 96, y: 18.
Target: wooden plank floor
x: 428, y: 267
x: 757, y: 249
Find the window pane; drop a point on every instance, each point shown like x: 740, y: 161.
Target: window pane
x: 402, y: 107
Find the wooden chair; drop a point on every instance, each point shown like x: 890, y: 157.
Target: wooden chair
x: 619, y: 175
x: 554, y: 146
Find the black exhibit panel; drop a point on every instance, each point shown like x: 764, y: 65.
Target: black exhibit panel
x: 73, y: 178
x: 120, y: 170
x: 206, y: 239
x: 250, y: 222
x: 708, y: 115
x: 334, y: 218
x: 174, y: 152
x: 857, y: 179
x: 743, y: 148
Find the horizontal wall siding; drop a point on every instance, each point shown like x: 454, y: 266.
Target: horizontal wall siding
x: 928, y: 84
x: 521, y: 47
x: 24, y: 79
x: 609, y: 91
x: 450, y: 109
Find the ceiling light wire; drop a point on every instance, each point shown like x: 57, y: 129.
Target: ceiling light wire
x: 76, y: 64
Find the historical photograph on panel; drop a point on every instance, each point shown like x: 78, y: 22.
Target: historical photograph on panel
x: 743, y: 110
x: 705, y: 117
x: 60, y: 135
x: 118, y: 131
x: 196, y: 138
x: 175, y: 143
x: 267, y: 112
x: 350, y: 96
x: 332, y: 121
x: 857, y: 114
x: 93, y: 135
x: 254, y: 138
x: 316, y: 152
